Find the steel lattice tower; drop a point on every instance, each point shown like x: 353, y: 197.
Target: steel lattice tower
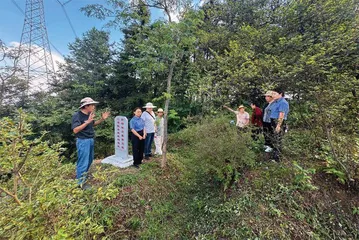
x: 35, y: 53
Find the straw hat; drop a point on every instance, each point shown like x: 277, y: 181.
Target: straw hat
x: 269, y: 93
x: 160, y: 110
x: 149, y: 105
x: 87, y: 101
x: 241, y: 106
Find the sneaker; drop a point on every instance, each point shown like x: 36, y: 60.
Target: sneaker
x: 85, y: 186
x: 268, y: 149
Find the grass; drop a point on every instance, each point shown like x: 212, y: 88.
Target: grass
x: 269, y: 200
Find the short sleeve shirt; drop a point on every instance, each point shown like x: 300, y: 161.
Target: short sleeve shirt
x: 78, y: 119
x: 280, y: 105
x: 149, y: 119
x: 242, y: 118
x: 266, y: 113
x: 137, y: 124
x: 160, y: 126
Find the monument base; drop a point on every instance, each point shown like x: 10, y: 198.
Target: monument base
x: 118, y: 161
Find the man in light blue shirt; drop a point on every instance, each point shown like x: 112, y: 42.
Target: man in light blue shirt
x: 279, y: 110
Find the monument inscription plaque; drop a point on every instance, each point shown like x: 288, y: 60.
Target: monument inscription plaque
x: 121, y: 158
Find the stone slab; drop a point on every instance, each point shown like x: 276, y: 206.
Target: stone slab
x: 119, y: 162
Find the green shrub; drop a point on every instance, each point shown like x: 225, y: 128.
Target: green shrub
x: 220, y: 150
x: 39, y: 197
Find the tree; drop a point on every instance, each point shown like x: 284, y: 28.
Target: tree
x: 161, y: 45
x: 12, y: 80
x: 87, y: 68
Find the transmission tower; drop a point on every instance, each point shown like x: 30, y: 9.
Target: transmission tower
x: 35, y: 53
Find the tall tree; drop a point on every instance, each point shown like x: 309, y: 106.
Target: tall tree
x: 12, y: 80
x: 161, y: 45
x: 88, y: 67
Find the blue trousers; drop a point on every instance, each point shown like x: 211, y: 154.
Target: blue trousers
x: 85, y: 155
x: 148, y: 143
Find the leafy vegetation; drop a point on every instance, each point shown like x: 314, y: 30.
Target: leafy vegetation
x: 216, y: 184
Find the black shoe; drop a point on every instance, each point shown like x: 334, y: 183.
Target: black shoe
x: 85, y: 186
x: 147, y: 157
x: 136, y: 166
x: 150, y: 155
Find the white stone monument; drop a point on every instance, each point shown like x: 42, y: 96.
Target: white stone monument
x: 121, y: 158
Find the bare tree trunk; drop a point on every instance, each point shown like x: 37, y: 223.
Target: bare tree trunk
x: 165, y: 121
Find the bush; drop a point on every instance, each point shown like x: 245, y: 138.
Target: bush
x: 38, y: 189
x: 223, y: 153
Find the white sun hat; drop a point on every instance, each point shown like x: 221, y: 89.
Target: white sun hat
x: 149, y: 105
x: 87, y: 101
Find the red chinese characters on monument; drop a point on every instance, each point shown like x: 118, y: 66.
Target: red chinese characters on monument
x: 120, y: 136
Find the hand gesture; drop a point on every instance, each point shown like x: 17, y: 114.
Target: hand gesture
x: 105, y: 115
x: 144, y: 136
x: 91, y: 117
x: 277, y: 129
x: 140, y: 137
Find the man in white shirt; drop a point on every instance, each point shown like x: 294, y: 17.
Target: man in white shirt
x: 149, y: 117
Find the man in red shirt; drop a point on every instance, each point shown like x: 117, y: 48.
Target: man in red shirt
x: 256, y: 121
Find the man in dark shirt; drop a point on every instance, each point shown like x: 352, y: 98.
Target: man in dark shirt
x: 82, y: 125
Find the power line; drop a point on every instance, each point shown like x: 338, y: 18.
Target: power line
x: 67, y: 16
x: 18, y: 7
x: 57, y: 50
x: 23, y: 13
x: 66, y: 2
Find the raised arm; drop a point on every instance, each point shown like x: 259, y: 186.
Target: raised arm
x: 228, y: 108
x: 104, y: 116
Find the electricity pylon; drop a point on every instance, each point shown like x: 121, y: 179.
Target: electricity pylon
x: 35, y: 53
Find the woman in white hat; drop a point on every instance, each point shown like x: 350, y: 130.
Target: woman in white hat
x: 149, y: 117
x: 242, y: 116
x: 159, y: 131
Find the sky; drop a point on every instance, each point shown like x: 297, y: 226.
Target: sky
x: 59, y: 30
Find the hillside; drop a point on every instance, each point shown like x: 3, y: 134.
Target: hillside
x: 195, y: 197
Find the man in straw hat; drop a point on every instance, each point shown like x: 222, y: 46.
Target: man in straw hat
x: 82, y: 125
x: 267, y: 122
x: 242, y: 116
x: 149, y: 117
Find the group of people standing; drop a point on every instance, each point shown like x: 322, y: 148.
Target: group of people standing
x: 271, y: 120
x: 146, y: 127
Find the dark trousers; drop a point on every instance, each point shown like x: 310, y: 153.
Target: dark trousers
x: 267, y: 129
x: 148, y: 143
x: 276, y: 138
x: 137, y: 148
x: 255, y: 133
x: 241, y: 130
